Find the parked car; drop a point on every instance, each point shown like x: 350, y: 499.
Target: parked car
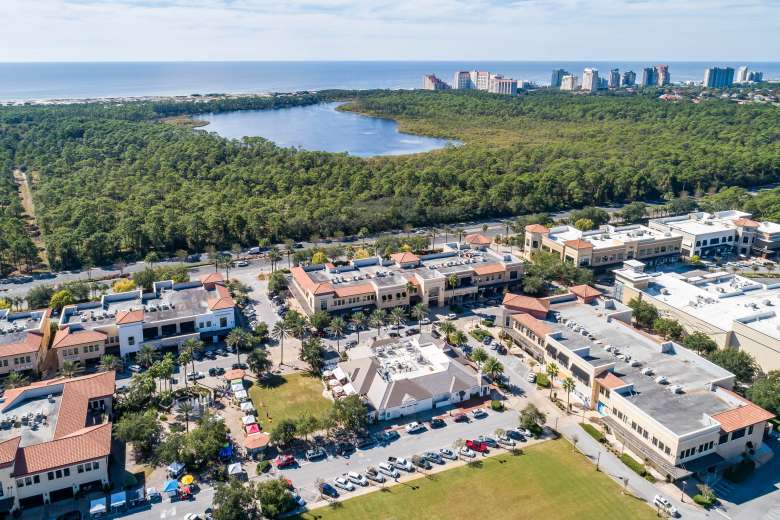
x: 479, y: 413
x: 328, y: 490
x: 433, y: 457
x: 357, y: 478
x: 393, y: 334
x: 194, y: 376
x: 283, y: 461
x: 212, y: 372
x: 388, y: 469
x: 209, y: 354
x: 477, y: 446
x: 221, y: 352
x: 242, y: 366
x: 452, y: 316
x: 460, y: 417
x: 365, y: 442
x: 422, y: 462
x: 373, y: 474
x: 665, y: 505
x: 524, y: 432
x: 400, y: 463
x: 505, y: 440
x: 136, y: 369
x: 388, y: 436
x: 242, y: 263
x: 315, y: 454
x: 414, y: 427
x: 531, y: 378
x: 487, y: 341
x: 516, y: 435
x: 220, y: 371
x: 490, y: 441
x: 344, y: 448
x: 437, y: 422
x: 344, y: 484
x: 448, y: 454
x: 297, y: 498
x: 411, y: 331
x: 351, y: 343
x: 425, y: 321
x: 466, y: 452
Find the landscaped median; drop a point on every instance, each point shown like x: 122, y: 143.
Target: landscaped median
x: 549, y: 480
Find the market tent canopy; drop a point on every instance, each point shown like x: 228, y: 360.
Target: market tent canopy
x: 242, y: 395
x: 226, y: 452
x: 247, y: 407
x: 118, y: 499
x: 252, y: 428
x: 257, y: 441
x: 176, y: 468
x: 97, y: 506
x: 236, y: 373
x: 248, y: 419
x: 171, y: 486
x: 235, y: 469
x: 186, y: 480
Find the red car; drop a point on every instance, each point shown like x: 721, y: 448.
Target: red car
x: 479, y: 447
x: 460, y: 417
x: 282, y: 461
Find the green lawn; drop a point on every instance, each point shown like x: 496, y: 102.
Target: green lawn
x: 547, y: 482
x: 288, y: 397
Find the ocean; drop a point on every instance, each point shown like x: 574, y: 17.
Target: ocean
x: 40, y: 81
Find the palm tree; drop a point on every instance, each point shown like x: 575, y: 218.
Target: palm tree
x: 337, y: 325
x: 192, y: 346
x: 68, y: 368
x: 15, y: 380
x: 146, y: 356
x: 359, y: 321
x: 185, y: 407
x: 225, y: 262
x: 396, y: 316
x: 377, y: 319
x: 274, y: 256
x: 280, y: 331
x: 479, y: 356
x: 109, y: 362
x: 447, y: 328
x: 459, y: 338
x: 458, y: 445
x: 419, y: 312
x: 452, y: 281
x: 493, y: 368
x: 185, y: 356
x: 259, y: 362
x: 568, y: 385
x: 552, y: 371
x: 237, y: 339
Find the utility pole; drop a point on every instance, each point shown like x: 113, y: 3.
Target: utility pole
x: 598, y: 459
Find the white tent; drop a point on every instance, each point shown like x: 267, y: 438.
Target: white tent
x: 248, y: 419
x: 247, y: 407
x: 242, y: 395
x: 339, y: 374
x: 236, y: 388
x: 235, y: 470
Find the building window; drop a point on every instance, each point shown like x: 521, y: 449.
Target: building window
x: 738, y: 434
x: 19, y: 483
x: 95, y: 465
x: 66, y: 472
x: 131, y: 340
x: 50, y: 475
x: 58, y: 473
x: 723, y: 438
x: 750, y: 429
x: 28, y: 481
x: 36, y: 479
x: 80, y: 468
x: 223, y: 321
x: 667, y: 450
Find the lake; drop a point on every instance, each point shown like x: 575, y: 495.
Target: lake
x: 323, y: 128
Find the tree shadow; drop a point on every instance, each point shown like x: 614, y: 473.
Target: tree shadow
x: 475, y: 464
x: 272, y: 381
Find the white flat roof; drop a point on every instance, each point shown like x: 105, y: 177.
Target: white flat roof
x: 606, y: 236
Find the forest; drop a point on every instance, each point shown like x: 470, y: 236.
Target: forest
x: 117, y: 180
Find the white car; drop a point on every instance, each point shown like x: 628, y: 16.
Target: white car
x: 194, y: 376
x: 448, y: 453
x: 479, y: 413
x: 414, y: 427
x: 357, y: 478
x: 242, y: 263
x: 344, y: 484
x: 297, y: 498
x: 506, y: 441
x: 467, y: 452
x: 425, y: 321
x: 388, y: 469
x: 531, y: 378
x: 665, y: 505
x: 452, y: 316
x: 402, y: 463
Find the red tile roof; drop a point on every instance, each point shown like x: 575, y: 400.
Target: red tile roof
x: 235, y: 373
x: 746, y: 222
x: 303, y: 279
x: 68, y: 338
x: 584, y: 291
x: 32, y: 343
x: 344, y: 291
x: 212, y: 278
x: 520, y: 302
x: 478, y: 239
x: 578, y: 244
x: 223, y: 299
x: 538, y: 327
x: 8, y: 450
x: 611, y: 381
x: 536, y: 228
x: 742, y: 416
x: 125, y: 317
x: 404, y: 257
x: 489, y: 269
x: 75, y: 400
x: 82, y: 445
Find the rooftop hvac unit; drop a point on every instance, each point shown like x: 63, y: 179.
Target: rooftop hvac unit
x: 647, y: 371
x: 661, y: 380
x: 676, y: 389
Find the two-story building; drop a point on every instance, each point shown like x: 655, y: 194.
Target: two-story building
x: 461, y: 272
x: 603, y: 247
x: 660, y: 401
x: 55, y: 439
x: 165, y: 317
x: 24, y: 338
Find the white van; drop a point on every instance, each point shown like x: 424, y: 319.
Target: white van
x: 665, y: 505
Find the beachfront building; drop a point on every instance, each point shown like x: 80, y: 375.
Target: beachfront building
x: 163, y: 318
x: 403, y: 376
x: 603, y: 247
x: 569, y: 82
x: 501, y: 85
x: 459, y: 273
x: 24, y: 338
x: 735, y: 311
x: 431, y: 82
x: 722, y: 233
x: 659, y: 401
x: 55, y: 440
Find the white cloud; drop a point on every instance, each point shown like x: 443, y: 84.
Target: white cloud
x: 53, y: 30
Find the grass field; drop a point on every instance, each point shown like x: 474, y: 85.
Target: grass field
x: 548, y: 482
x: 288, y: 397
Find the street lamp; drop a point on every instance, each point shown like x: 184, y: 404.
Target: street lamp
x: 682, y: 492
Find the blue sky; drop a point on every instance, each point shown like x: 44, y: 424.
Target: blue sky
x: 99, y: 30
